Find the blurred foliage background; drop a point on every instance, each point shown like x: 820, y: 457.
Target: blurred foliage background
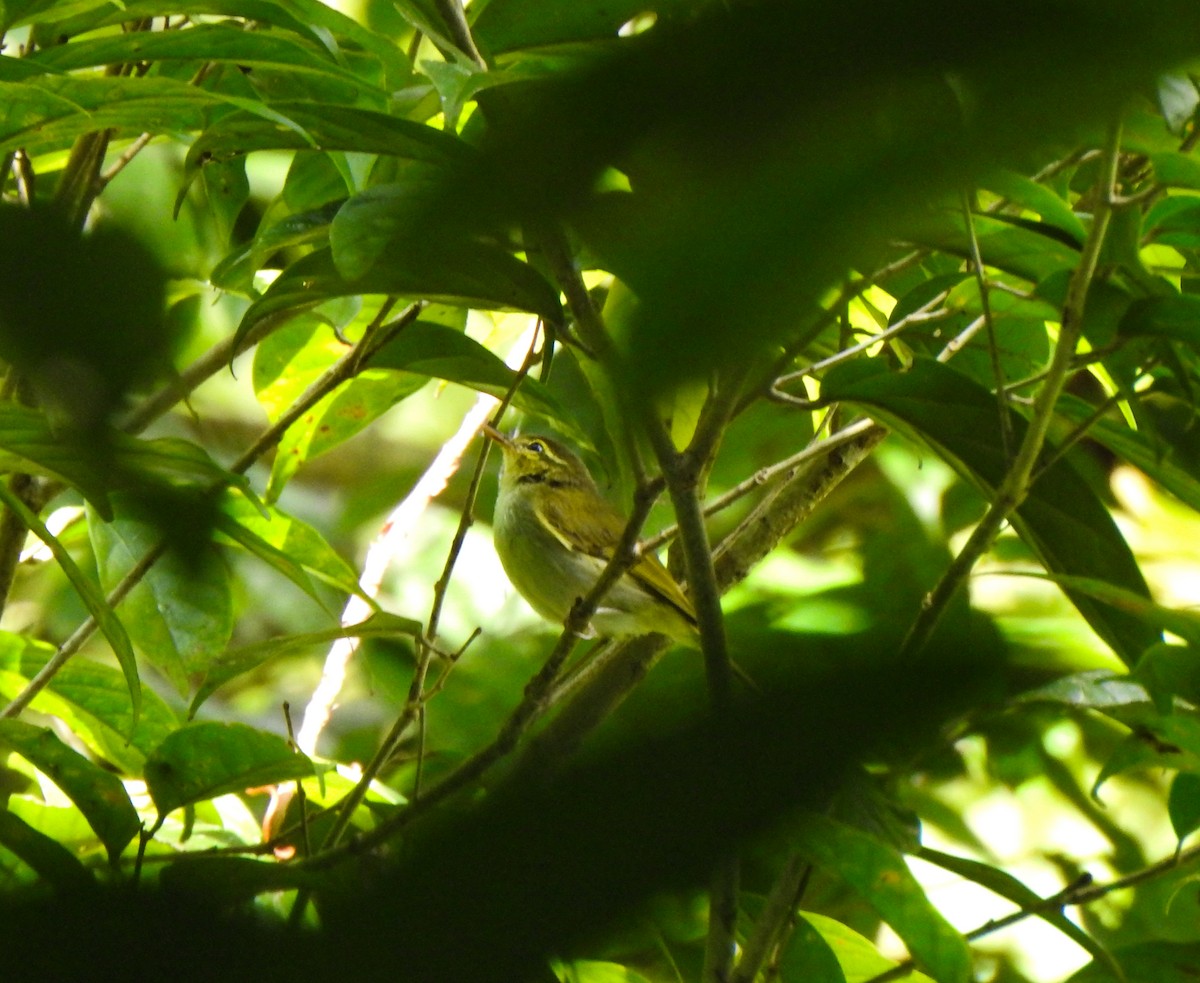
x: 897, y: 296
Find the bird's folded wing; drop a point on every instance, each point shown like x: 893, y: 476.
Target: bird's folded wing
x: 596, y: 534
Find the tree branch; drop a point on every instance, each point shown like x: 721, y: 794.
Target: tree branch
x: 1017, y: 482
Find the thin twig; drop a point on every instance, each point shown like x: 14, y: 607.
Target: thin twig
x: 533, y: 704
x: 922, y: 315
x: 776, y: 912
x: 721, y: 942
x: 764, y: 476
x: 341, y: 371
x: 397, y: 529
x: 123, y: 160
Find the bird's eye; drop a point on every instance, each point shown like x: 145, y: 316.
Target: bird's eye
x: 536, y: 446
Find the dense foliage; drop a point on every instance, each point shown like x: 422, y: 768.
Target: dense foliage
x: 881, y: 316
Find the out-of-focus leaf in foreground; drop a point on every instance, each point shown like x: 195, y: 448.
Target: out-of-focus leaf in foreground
x: 754, y: 187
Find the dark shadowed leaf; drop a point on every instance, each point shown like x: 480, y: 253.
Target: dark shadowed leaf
x: 1062, y: 519
x: 97, y: 793
x: 468, y: 273
x: 48, y: 858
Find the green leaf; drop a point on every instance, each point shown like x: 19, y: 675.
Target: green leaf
x: 469, y: 273
x: 1062, y: 520
x: 226, y: 191
x: 236, y: 271
x: 1176, y: 170
x: 881, y: 878
x: 91, y: 595
x: 234, y: 880
x: 234, y: 663
x: 49, y: 112
x: 1168, y: 671
x: 1184, y: 623
x: 1174, y: 221
x: 1027, y: 250
x: 97, y: 793
x: 181, y: 612
x: 1176, y: 317
x: 291, y: 546
x: 810, y: 956
x: 92, y: 699
x: 1037, y: 198
x: 1170, y: 741
x: 29, y: 443
x: 857, y: 956
x: 1002, y: 883
x: 203, y: 760
x: 1096, y: 689
x: 1158, y: 961
x: 1183, y: 805
x: 202, y: 42
x: 1161, y: 461
x: 346, y: 411
x: 48, y: 858
x: 328, y: 128
x: 444, y: 353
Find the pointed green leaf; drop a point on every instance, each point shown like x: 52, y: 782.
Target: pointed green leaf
x: 810, y: 956
x: 92, y: 699
x: 443, y: 353
x: 881, y: 878
x: 203, y: 760
x: 1038, y: 198
x: 234, y: 663
x: 49, y: 112
x: 1002, y: 883
x: 1168, y: 671
x: 858, y: 957
x: 202, y: 42
x: 335, y: 419
x: 1062, y: 520
x: 293, y: 547
x: 1027, y: 250
x: 1183, y: 805
x: 1182, y: 622
x: 91, y: 595
x: 328, y: 127
x: 468, y: 273
x: 1096, y: 689
x: 97, y: 793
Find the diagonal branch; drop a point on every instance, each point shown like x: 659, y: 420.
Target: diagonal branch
x: 1017, y: 482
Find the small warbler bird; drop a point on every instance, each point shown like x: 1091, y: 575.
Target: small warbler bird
x: 555, y: 534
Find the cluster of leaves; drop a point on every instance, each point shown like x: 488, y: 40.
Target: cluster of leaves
x: 984, y: 240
